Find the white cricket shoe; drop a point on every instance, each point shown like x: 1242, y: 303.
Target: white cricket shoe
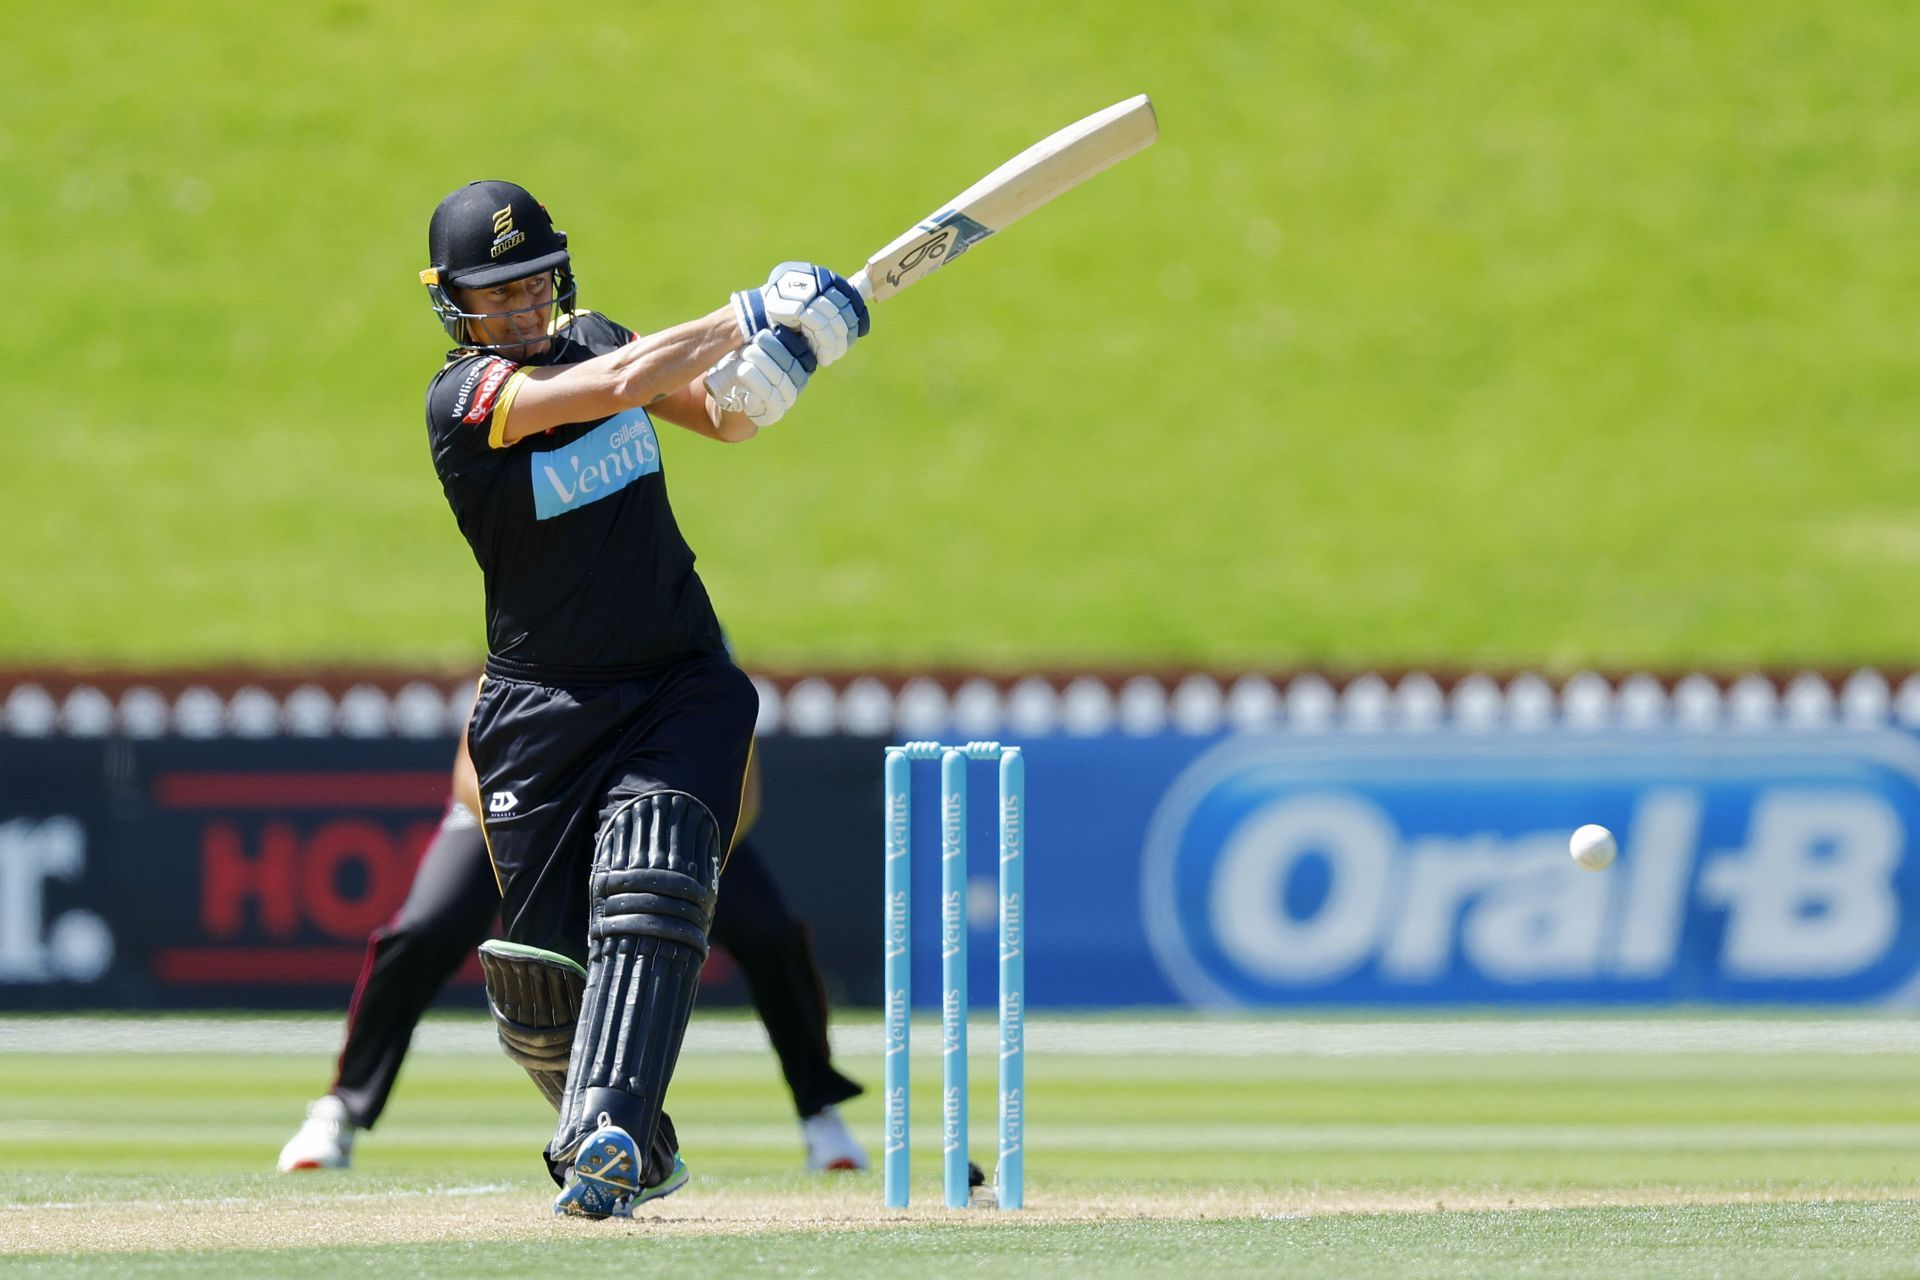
x: 325, y: 1141
x: 830, y: 1144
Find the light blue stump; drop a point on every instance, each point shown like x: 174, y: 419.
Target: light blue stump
x: 1011, y: 1177
x: 898, y: 932
x: 953, y: 973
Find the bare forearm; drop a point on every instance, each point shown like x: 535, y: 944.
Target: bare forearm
x: 633, y: 376
x: 658, y: 364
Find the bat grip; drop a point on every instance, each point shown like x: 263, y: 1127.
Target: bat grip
x: 864, y: 283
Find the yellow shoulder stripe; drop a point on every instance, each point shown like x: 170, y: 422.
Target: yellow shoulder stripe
x: 497, y: 432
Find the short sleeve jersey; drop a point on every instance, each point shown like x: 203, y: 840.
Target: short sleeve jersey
x: 586, y: 571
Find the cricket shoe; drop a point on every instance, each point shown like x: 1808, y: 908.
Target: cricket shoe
x: 325, y: 1141
x: 830, y: 1144
x: 604, y: 1181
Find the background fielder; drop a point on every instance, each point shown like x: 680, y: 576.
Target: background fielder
x: 451, y: 907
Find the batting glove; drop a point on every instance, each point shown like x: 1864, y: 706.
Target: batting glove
x: 819, y: 302
x: 763, y: 378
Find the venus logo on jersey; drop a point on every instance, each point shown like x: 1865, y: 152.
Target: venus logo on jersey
x: 604, y: 461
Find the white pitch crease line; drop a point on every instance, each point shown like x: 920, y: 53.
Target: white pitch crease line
x: 1177, y: 1037
x: 1477, y: 1137
x: 1252, y: 1137
x: 397, y: 1193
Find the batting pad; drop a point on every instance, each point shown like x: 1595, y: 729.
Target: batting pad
x: 656, y: 872
x: 535, y: 999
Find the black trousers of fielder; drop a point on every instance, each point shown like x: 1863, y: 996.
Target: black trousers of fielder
x: 450, y: 910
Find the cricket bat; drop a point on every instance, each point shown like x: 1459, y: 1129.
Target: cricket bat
x: 1045, y: 171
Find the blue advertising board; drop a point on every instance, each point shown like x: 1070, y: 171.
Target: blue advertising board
x: 1415, y: 868
x: 1291, y: 869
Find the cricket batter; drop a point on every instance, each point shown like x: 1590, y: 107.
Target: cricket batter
x: 611, y: 733
x: 450, y: 909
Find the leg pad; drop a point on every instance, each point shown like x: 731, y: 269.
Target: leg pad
x: 535, y: 999
x: 656, y: 871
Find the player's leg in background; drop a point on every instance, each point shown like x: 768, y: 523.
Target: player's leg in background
x: 774, y: 950
x: 447, y: 913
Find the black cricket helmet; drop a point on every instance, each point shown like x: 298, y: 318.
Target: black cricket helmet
x: 488, y: 233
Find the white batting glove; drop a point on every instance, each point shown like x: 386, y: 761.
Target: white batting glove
x: 814, y: 300
x: 763, y: 378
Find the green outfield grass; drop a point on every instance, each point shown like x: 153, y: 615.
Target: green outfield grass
x: 1498, y: 333
x: 1385, y: 1164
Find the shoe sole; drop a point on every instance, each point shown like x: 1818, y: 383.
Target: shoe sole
x: 623, y: 1206
x: 605, y: 1177
x: 602, y: 1185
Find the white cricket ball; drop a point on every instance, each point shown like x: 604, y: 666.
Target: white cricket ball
x: 1592, y: 847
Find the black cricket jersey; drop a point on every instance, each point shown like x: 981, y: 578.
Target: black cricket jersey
x: 587, y: 574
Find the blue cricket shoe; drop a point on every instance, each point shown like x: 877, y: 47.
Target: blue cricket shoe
x: 605, y: 1179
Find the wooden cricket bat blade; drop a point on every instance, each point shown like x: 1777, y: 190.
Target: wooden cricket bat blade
x: 1043, y: 172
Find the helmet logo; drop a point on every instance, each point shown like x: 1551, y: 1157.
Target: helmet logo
x: 504, y: 236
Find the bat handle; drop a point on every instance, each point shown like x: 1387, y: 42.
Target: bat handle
x: 864, y: 283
